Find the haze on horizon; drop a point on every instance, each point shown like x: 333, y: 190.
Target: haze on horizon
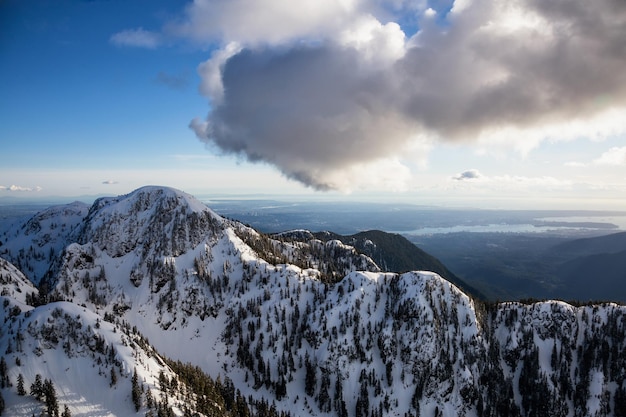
x: 509, y: 104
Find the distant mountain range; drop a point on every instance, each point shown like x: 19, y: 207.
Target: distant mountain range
x: 514, y: 266
x: 152, y: 304
x: 612, y: 243
x: 593, y: 268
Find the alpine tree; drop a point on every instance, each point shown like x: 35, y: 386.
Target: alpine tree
x: 21, y: 391
x: 113, y: 376
x: 50, y: 393
x: 310, y: 377
x: 36, y: 388
x: 136, y: 391
x: 4, y: 376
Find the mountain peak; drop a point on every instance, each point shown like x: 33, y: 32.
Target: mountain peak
x: 147, y: 197
x: 170, y: 218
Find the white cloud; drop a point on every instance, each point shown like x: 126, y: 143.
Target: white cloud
x: 110, y: 182
x: 614, y: 156
x: 430, y: 13
x: 470, y: 174
x: 380, y: 45
x: 19, y: 188
x: 273, y: 22
x: 574, y: 164
x: 531, y: 182
x: 210, y: 71
x: 509, y: 183
x: 380, y: 175
x: 137, y: 37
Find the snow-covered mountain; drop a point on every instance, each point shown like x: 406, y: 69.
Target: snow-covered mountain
x: 94, y: 365
x: 300, y: 326
x: 34, y: 244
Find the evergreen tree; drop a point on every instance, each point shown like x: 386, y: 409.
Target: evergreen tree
x: 163, y: 382
x: 4, y: 375
x: 310, y: 377
x: 52, y: 405
x: 281, y: 388
x: 149, y: 399
x: 66, y: 412
x: 20, y: 385
x: 113, y: 376
x: 36, y: 388
x: 136, y: 391
x: 619, y: 402
x: 363, y: 403
x: 340, y: 404
x: 323, y: 398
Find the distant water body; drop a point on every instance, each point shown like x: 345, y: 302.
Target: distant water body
x: 619, y: 221
x: 610, y: 224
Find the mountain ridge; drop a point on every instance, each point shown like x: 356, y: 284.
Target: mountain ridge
x: 314, y: 328
x: 395, y: 253
x: 611, y: 243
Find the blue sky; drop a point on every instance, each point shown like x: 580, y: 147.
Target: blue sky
x: 452, y: 103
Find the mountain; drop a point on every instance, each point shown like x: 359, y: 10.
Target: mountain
x: 591, y: 268
x: 592, y: 277
x: 35, y: 243
x: 515, y: 266
x: 92, y: 364
x: 304, y: 326
x: 612, y: 243
x: 395, y: 253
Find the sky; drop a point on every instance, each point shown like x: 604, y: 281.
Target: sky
x: 494, y: 104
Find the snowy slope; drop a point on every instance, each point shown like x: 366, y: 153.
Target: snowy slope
x: 316, y: 329
x: 14, y: 284
x: 93, y: 364
x: 78, y: 351
x: 33, y: 243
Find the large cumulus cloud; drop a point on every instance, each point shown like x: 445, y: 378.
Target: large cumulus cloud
x: 311, y: 111
x: 350, y: 88
x: 255, y: 22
